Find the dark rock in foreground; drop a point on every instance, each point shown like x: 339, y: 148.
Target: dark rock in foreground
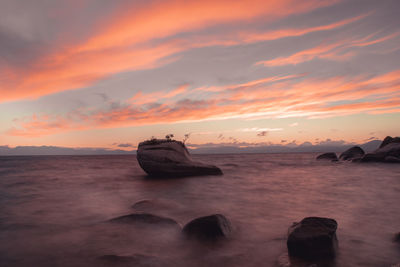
x: 208, y: 227
x: 389, y: 151
x: 171, y: 158
x: 144, y: 218
x: 355, y: 152
x: 328, y: 156
x: 397, y: 238
x: 313, y: 238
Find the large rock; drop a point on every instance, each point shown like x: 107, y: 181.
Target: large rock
x: 164, y: 157
x: 389, y: 151
x: 328, y: 156
x: 388, y: 140
x: 208, y: 227
x: 355, y: 152
x: 313, y: 238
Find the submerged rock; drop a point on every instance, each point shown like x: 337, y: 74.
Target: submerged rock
x: 389, y: 151
x: 208, y: 227
x: 313, y: 238
x: 352, y: 153
x: 164, y: 157
x: 328, y: 156
x: 144, y: 218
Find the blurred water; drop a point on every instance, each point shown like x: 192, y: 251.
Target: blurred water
x: 53, y: 210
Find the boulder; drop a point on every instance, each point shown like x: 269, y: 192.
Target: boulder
x: 328, y: 156
x: 397, y: 238
x: 144, y: 219
x: 388, y: 140
x: 165, y: 157
x: 209, y: 227
x: 389, y: 151
x: 313, y: 238
x: 352, y: 153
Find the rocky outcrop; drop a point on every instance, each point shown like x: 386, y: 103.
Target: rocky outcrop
x: 355, y: 152
x: 328, y: 156
x: 208, y: 227
x: 313, y: 238
x: 144, y: 219
x: 388, y: 140
x: 389, y: 151
x: 164, y: 157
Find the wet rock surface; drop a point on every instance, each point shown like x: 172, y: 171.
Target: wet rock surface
x: 169, y: 158
x: 208, y: 227
x: 313, y: 238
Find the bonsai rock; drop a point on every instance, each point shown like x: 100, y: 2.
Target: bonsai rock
x: 166, y: 157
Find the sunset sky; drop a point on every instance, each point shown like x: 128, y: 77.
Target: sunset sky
x: 100, y: 73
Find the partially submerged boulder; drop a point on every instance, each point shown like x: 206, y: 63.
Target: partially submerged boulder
x: 352, y: 153
x: 208, y: 228
x: 144, y: 219
x: 389, y: 151
x: 328, y: 156
x: 313, y: 238
x: 166, y: 157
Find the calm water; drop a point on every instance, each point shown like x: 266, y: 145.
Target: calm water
x: 53, y: 210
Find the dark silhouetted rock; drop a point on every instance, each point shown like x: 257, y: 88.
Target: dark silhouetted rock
x: 170, y: 158
x: 388, y: 140
x: 352, y: 153
x: 144, y: 218
x: 328, y: 156
x: 397, y: 237
x: 389, y: 152
x: 313, y: 238
x: 208, y: 227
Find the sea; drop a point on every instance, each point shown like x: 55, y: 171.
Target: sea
x: 56, y: 210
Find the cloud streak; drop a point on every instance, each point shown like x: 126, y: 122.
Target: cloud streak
x: 144, y: 41
x: 277, y: 98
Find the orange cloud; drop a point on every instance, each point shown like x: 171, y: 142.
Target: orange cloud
x: 299, y: 96
x: 135, y: 39
x: 334, y: 51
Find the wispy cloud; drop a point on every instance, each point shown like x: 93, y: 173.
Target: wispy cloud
x: 301, y: 97
x: 340, y: 50
x: 147, y: 39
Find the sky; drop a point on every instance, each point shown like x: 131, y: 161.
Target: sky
x: 110, y: 74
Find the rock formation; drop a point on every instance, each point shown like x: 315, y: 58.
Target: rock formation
x: 166, y: 157
x: 388, y: 151
x: 313, y: 238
